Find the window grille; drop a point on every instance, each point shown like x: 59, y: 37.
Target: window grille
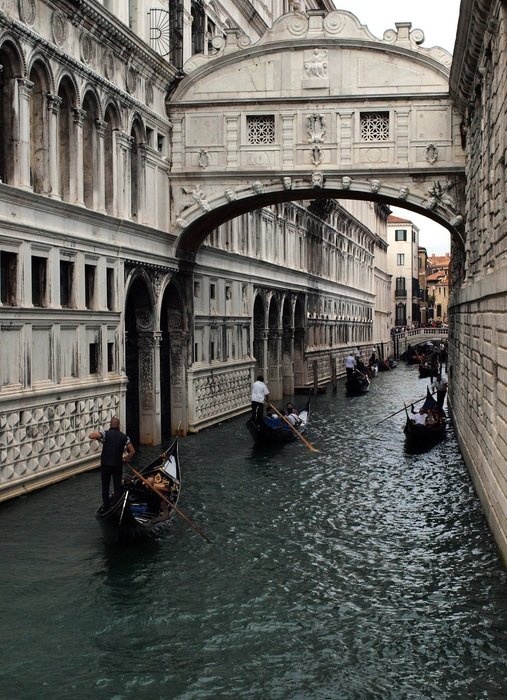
x: 261, y: 129
x: 374, y: 126
x: 160, y: 30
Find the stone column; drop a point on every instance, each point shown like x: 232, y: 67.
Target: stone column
x: 54, y: 103
x: 149, y: 423
x: 179, y: 410
x: 77, y: 162
x: 141, y: 195
x: 100, y: 199
x: 274, y: 354
x: 288, y: 361
x: 22, y: 151
x: 123, y: 150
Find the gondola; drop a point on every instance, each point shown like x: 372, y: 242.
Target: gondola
x: 429, y: 433
x: 425, y: 370
x: 357, y: 385
x: 140, y: 513
x: 275, y: 431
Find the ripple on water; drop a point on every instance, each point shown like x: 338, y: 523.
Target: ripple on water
x: 359, y: 572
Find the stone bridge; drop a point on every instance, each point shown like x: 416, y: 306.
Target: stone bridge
x: 418, y: 335
x: 318, y: 108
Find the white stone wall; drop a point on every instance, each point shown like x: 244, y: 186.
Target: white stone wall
x: 478, y: 306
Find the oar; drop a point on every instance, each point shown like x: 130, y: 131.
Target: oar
x: 172, y: 505
x: 124, y: 504
x: 296, y: 432
x: 401, y: 409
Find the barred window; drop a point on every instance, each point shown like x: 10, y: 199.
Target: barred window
x: 374, y: 126
x: 261, y: 129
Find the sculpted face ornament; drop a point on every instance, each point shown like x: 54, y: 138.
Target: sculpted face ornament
x: 346, y: 182
x: 287, y: 183
x: 317, y: 179
x: 403, y: 192
x: 375, y: 185
x: 230, y: 194
x: 258, y: 187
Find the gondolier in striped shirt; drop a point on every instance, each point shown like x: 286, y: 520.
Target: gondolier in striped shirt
x: 114, y: 444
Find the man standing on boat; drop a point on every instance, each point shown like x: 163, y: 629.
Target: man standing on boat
x: 260, y: 393
x: 350, y: 365
x: 440, y: 386
x: 114, y: 444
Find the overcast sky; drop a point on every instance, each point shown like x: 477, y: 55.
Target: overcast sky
x: 438, y: 19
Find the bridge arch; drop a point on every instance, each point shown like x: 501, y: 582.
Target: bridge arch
x: 318, y: 108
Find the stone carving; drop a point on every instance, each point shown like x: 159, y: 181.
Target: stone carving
x: 203, y: 158
x: 403, y: 194
x: 86, y: 45
x: 316, y: 155
x: 27, y: 11
x: 346, y: 182
x: 258, y: 187
x: 287, y: 183
x: 316, y: 65
x: 218, y: 395
x: 431, y: 153
x: 438, y: 194
x: 456, y: 220
x: 316, y: 128
x: 157, y: 279
x: 317, y: 179
x: 131, y: 80
x: 144, y: 319
x: 230, y: 194
x: 181, y: 223
x: 375, y: 185
x: 59, y: 27
x: 149, y: 93
x: 109, y: 65
x: 199, y: 197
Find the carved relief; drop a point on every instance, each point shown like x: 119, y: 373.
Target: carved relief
x: 27, y: 11
x: 316, y: 155
x: 287, y: 183
x: 346, y: 182
x: 230, y: 194
x: 149, y: 93
x: 109, y: 65
x: 317, y: 180
x: 258, y: 187
x: 59, y: 27
x: 316, y: 128
x: 86, y: 45
x: 316, y: 64
x: 403, y: 194
x: 203, y: 158
x: 431, y: 153
x: 131, y: 80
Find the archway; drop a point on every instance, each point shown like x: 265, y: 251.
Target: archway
x: 287, y: 348
x: 173, y: 406
x: 318, y: 108
x: 140, y: 357
x: 274, y: 351
x: 259, y: 336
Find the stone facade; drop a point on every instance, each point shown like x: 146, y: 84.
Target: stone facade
x: 97, y: 315
x: 478, y: 318
x: 403, y: 265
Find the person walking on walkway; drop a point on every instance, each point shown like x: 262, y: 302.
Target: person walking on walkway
x: 114, y: 444
x: 260, y: 393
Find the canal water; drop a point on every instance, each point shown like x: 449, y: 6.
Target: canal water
x: 360, y: 572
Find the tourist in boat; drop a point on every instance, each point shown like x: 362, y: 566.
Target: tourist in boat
x: 292, y: 415
x: 260, y: 394
x: 419, y: 418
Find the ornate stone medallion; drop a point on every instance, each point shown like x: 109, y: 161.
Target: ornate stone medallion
x: 27, y: 11
x: 59, y: 27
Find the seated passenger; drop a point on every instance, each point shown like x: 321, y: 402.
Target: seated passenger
x: 420, y: 418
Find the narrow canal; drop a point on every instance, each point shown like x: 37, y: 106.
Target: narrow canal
x: 360, y: 572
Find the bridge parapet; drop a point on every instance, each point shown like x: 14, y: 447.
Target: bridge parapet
x: 415, y: 336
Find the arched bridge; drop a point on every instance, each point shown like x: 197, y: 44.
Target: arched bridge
x: 318, y: 108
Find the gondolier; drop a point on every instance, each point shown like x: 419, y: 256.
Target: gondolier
x: 114, y: 444
x: 260, y: 394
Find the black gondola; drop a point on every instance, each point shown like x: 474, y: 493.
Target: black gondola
x: 357, y: 385
x: 275, y: 431
x: 425, y: 370
x: 387, y: 365
x: 429, y: 432
x: 140, y: 512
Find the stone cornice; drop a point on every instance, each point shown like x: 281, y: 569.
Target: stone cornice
x: 108, y: 30
x: 472, y: 25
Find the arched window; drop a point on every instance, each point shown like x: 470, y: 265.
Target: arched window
x: 39, y: 129
x: 136, y: 170
x: 66, y: 156
x: 112, y: 124
x: 90, y: 151
x: 10, y: 69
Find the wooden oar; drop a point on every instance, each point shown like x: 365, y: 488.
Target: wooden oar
x: 296, y: 432
x: 171, y: 505
x: 401, y: 409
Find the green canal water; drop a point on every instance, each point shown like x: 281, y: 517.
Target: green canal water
x: 360, y: 572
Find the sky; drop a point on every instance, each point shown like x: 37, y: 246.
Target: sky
x: 438, y: 19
